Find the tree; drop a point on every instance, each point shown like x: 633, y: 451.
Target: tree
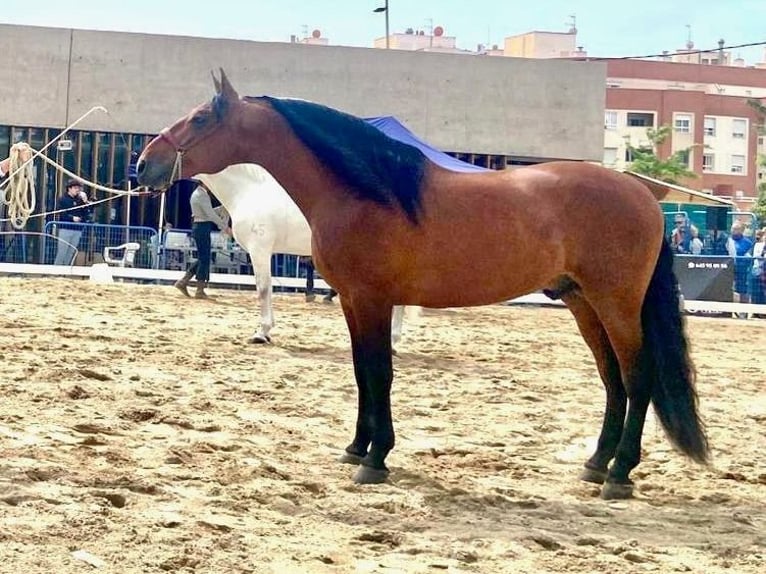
x: 760, y: 111
x: 759, y: 207
x: 646, y: 162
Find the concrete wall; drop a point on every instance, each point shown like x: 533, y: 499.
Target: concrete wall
x: 459, y: 103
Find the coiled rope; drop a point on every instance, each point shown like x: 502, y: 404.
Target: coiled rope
x: 19, y: 195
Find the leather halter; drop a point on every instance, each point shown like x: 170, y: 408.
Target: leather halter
x: 171, y: 139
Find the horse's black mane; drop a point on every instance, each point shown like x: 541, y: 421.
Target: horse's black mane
x: 376, y: 166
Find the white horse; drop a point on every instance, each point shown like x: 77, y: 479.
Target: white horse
x: 264, y: 221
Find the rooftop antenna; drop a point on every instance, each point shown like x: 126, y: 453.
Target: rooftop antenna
x: 689, y: 43
x: 572, y: 24
x: 305, y: 30
x: 430, y: 23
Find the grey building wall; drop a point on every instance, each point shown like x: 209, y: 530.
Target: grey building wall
x: 460, y: 103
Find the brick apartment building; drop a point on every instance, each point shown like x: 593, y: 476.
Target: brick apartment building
x: 707, y: 108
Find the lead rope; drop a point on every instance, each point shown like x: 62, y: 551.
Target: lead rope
x: 177, y: 165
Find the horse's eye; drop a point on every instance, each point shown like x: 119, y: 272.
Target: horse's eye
x: 199, y: 120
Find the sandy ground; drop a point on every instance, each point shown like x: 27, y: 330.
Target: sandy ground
x: 139, y: 433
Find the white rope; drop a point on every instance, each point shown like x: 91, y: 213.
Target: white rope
x: 19, y: 195
x: 118, y: 192
x: 87, y: 182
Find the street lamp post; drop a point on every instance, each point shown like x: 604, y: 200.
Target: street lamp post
x: 384, y: 8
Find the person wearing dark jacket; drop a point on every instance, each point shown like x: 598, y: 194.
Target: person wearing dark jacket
x: 74, y: 202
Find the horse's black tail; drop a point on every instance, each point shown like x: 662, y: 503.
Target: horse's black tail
x: 665, y: 355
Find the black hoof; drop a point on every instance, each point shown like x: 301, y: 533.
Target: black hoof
x: 350, y: 458
x: 616, y: 491
x: 593, y: 475
x: 369, y: 475
x: 260, y: 339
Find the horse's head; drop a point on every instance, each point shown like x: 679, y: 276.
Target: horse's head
x: 197, y: 143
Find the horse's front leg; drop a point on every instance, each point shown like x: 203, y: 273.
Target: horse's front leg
x: 262, y: 270
x: 369, y: 325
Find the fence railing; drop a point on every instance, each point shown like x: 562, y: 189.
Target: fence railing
x: 701, y: 277
x: 176, y: 250
x: 64, y: 243
x: 83, y: 243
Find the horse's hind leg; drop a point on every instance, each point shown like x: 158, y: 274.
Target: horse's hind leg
x: 623, y: 325
x: 592, y: 330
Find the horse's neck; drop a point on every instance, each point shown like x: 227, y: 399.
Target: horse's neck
x: 288, y: 160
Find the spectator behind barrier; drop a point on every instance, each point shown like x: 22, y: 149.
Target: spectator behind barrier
x: 758, y: 270
x: 740, y: 248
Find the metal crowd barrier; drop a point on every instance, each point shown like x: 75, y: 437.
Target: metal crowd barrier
x: 702, y: 278
x: 83, y: 243
x: 177, y: 250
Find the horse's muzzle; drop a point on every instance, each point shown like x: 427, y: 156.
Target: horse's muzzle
x: 154, y: 174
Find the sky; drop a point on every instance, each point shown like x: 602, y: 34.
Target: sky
x: 605, y: 28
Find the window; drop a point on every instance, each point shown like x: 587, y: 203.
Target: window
x: 738, y: 164
x: 628, y: 155
x: 682, y: 123
x: 710, y: 126
x: 610, y: 156
x: 684, y: 156
x: 738, y: 128
x: 708, y: 162
x: 640, y: 120
x: 610, y: 120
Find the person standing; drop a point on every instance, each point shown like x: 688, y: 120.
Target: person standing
x: 758, y: 270
x: 310, y: 296
x: 680, y: 236
x: 739, y: 248
x: 74, y: 203
x: 695, y: 244
x: 205, y: 218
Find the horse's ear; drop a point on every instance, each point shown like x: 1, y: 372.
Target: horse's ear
x: 216, y: 83
x: 227, y: 90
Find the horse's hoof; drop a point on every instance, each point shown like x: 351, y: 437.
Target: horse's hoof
x: 369, y: 475
x: 350, y: 458
x: 593, y: 475
x: 260, y: 339
x: 616, y: 491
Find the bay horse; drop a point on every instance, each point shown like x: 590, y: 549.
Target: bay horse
x: 264, y: 221
x: 389, y: 227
